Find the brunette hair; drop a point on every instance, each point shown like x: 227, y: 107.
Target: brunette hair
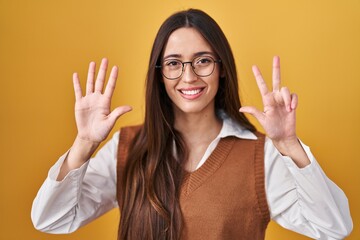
x: 152, y: 178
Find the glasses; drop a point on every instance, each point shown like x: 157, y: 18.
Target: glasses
x: 202, y: 66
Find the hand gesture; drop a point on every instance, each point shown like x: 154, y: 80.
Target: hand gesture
x: 278, y: 117
x: 94, y: 120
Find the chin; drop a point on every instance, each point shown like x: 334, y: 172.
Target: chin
x: 194, y: 109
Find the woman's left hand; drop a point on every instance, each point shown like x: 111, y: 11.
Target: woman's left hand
x: 278, y: 118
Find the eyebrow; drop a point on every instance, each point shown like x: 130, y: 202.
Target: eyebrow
x: 198, y: 54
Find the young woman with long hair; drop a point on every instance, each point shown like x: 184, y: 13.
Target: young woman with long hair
x: 196, y: 168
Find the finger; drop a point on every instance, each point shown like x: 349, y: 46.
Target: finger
x: 117, y: 112
x: 90, y: 78
x: 294, y: 101
x: 253, y: 111
x: 260, y: 81
x: 285, y: 93
x: 77, y: 87
x: 276, y: 74
x: 110, y: 86
x: 101, y: 76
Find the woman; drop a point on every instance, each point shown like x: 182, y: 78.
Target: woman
x: 197, y: 168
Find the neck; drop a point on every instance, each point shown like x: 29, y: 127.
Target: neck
x: 197, y: 128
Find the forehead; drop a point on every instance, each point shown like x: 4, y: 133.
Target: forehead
x: 186, y: 42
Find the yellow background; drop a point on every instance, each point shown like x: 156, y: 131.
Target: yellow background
x: 42, y: 42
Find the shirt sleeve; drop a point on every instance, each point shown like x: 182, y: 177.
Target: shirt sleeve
x: 83, y: 195
x: 305, y: 200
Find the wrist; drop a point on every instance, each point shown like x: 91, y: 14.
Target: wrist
x: 81, y: 151
x: 292, y: 148
x: 285, y: 147
x: 85, y: 143
x: 84, y: 146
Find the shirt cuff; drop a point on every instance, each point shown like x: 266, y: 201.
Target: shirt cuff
x: 292, y: 165
x: 73, y: 174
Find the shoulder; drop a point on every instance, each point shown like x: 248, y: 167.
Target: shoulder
x: 129, y: 132
x: 133, y: 128
x: 233, y: 128
x: 261, y: 136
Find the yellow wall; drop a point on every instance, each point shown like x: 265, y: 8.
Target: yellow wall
x: 42, y: 42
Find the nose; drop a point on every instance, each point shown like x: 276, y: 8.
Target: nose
x: 188, y: 73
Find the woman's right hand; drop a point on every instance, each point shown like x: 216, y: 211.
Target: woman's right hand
x: 94, y: 119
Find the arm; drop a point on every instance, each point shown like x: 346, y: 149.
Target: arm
x: 77, y: 191
x: 83, y: 195
x: 305, y: 200
x: 305, y: 192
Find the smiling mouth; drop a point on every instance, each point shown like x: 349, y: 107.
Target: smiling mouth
x: 191, y: 92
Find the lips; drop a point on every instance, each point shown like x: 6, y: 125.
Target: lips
x: 191, y: 93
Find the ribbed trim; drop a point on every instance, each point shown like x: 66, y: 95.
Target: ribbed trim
x: 195, y: 179
x: 260, y: 178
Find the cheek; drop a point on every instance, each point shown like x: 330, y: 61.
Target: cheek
x: 169, y: 88
x: 215, y: 82
x: 215, y: 88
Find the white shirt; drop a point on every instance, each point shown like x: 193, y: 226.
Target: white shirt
x: 302, y: 200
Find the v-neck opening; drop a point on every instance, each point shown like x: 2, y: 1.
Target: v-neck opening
x: 193, y: 180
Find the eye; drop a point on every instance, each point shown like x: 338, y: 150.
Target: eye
x: 203, y: 61
x: 172, y: 64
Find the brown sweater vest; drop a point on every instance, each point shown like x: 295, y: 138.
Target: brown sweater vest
x: 223, y: 199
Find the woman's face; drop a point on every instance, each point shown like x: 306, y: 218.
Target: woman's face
x: 190, y: 93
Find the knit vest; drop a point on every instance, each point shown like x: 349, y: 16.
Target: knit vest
x: 223, y: 199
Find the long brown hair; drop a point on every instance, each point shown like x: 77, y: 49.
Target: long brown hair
x: 153, y: 174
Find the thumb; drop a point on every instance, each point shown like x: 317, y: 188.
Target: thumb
x: 117, y: 112
x: 253, y: 111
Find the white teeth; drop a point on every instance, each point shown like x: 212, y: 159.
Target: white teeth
x: 191, y: 92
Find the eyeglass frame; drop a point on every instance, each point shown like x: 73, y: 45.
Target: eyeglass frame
x: 192, y: 67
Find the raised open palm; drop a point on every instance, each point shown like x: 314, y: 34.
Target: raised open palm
x: 94, y: 119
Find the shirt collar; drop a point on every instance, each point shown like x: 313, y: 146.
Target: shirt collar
x: 232, y: 128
